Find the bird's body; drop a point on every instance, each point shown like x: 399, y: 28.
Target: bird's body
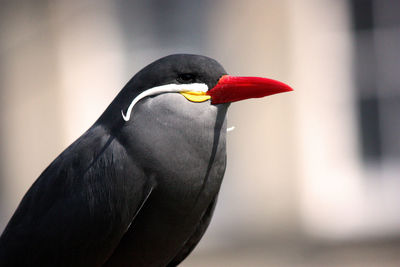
x: 186, y: 182
x: 134, y: 190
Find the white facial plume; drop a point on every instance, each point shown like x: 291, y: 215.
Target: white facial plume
x: 167, y: 88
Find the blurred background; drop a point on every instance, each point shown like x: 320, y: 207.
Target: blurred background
x: 313, y: 176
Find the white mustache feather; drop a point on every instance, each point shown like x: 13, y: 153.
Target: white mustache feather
x: 167, y: 88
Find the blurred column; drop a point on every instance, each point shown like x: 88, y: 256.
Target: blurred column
x: 90, y: 58
x: 29, y: 99
x: 331, y: 185
x: 60, y: 66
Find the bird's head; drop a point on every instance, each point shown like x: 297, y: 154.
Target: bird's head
x: 195, y: 79
x: 179, y: 103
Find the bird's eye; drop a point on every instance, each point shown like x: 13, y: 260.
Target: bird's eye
x: 186, y: 78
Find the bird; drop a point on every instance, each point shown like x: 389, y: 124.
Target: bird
x: 139, y: 187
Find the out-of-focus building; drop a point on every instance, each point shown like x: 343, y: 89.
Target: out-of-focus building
x: 319, y: 165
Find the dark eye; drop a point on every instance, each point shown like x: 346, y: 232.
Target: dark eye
x: 186, y: 78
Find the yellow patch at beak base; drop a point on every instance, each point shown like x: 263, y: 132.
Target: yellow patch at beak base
x: 196, y: 96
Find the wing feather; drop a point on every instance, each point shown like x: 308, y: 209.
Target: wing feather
x: 79, y: 208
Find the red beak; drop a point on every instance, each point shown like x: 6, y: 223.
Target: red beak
x: 231, y: 88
